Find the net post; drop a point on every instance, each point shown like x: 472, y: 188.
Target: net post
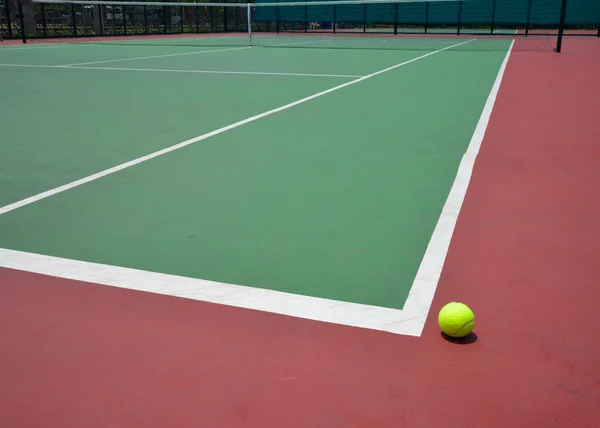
x: 426, y: 16
x: 561, y: 25
x: 459, y: 18
x: 21, y: 20
x: 73, y: 16
x: 249, y: 13
x: 395, y: 18
x: 528, y: 18
x: 493, y: 17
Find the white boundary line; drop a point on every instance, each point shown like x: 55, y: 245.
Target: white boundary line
x: 425, y: 283
x: 155, y: 56
x: 319, y: 309
x: 162, y: 70
x: 408, y: 321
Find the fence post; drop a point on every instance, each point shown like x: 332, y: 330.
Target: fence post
x: 561, y: 25
x: 528, y: 18
x: 395, y: 18
x: 181, y: 12
x: 493, y: 17
x: 426, y: 16
x: 334, y: 18
x: 21, y: 21
x: 276, y: 18
x: 459, y: 18
x: 305, y: 18
x: 146, y: 19
x: 124, y: 19
x: 365, y: 18
x: 101, y: 19
x: 8, y: 15
x: 114, y: 21
x: 43, y: 12
x: 74, y: 17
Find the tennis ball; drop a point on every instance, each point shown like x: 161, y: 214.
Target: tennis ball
x: 456, y: 319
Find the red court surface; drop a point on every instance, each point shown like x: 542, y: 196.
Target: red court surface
x: 11, y: 42
x: 524, y: 257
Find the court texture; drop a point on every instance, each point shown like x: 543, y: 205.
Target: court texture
x: 228, y: 236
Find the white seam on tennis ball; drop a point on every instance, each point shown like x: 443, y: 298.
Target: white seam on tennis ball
x: 464, y: 325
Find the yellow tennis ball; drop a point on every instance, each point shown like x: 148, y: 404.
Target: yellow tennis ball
x: 456, y: 319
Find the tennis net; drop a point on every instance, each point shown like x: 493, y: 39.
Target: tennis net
x: 372, y: 24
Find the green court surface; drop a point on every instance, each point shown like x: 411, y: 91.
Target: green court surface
x: 336, y: 197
